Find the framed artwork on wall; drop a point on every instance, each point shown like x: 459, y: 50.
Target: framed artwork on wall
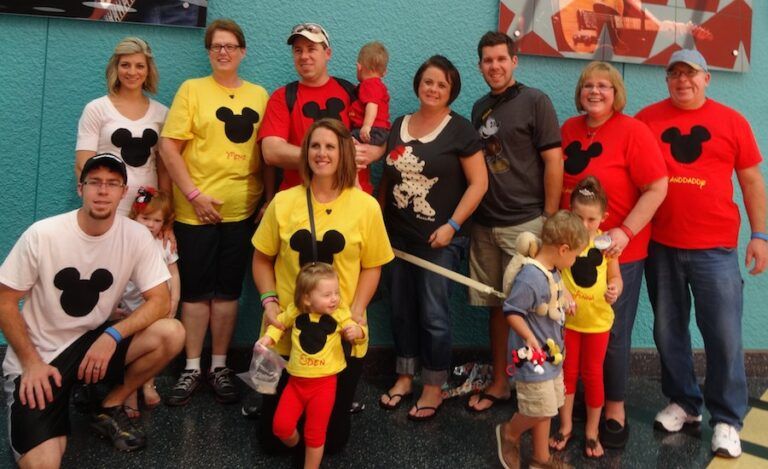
x: 633, y: 31
x: 185, y: 13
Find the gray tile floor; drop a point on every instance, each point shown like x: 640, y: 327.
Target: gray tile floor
x: 205, y: 434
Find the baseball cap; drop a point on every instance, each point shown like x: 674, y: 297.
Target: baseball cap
x: 105, y: 160
x: 690, y: 57
x: 312, y: 31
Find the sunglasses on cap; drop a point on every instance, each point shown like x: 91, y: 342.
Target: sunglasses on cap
x: 313, y: 28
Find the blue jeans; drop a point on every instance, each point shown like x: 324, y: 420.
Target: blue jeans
x: 616, y: 364
x: 421, y: 315
x: 714, y: 279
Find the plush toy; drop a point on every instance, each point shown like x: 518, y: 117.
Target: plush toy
x: 527, y: 246
x: 555, y: 355
x: 550, y: 353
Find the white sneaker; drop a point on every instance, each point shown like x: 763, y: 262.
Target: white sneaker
x: 725, y: 441
x: 672, y: 418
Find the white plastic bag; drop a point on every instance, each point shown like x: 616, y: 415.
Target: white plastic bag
x: 264, y: 373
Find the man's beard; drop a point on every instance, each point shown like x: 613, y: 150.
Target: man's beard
x: 97, y: 216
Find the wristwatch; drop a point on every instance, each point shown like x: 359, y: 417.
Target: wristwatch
x: 758, y: 235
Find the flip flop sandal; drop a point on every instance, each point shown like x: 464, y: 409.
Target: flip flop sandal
x: 485, y: 397
x: 591, y: 444
x: 424, y: 418
x: 558, y: 438
x: 388, y: 405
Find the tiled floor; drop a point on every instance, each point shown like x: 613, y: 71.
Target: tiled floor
x: 208, y: 435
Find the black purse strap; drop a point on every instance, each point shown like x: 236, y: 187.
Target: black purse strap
x: 312, y: 224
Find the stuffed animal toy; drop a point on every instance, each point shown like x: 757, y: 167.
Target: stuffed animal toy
x: 550, y: 353
x: 527, y: 246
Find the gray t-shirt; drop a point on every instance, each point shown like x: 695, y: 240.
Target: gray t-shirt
x: 530, y: 289
x: 521, y: 124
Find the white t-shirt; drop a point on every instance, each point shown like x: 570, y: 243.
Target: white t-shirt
x: 75, y: 280
x: 104, y: 130
x: 132, y: 298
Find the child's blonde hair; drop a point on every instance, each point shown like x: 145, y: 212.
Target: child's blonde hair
x: 308, y: 279
x: 151, y: 200
x: 589, y: 191
x: 374, y: 57
x: 564, y: 227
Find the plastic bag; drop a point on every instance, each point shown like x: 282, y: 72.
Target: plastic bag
x: 264, y: 373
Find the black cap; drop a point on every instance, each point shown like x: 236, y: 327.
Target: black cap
x: 106, y: 160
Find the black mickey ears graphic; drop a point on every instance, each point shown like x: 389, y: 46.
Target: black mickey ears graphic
x: 332, y: 243
x: 333, y: 109
x: 578, y: 159
x: 686, y: 148
x: 80, y: 296
x: 584, y: 270
x: 313, y: 335
x: 134, y: 151
x: 238, y: 128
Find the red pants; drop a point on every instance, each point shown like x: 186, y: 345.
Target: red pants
x: 584, y: 354
x: 316, y: 396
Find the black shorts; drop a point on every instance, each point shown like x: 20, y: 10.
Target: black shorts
x: 213, y: 259
x: 27, y: 427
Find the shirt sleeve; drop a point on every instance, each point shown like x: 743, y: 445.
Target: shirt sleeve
x: 170, y: 256
x: 644, y: 158
x: 150, y: 269
x: 89, y: 128
x: 748, y: 153
x: 468, y: 137
x: 20, y: 269
x: 277, y: 119
x: 178, y: 124
x: 266, y: 239
x: 376, y: 249
x: 546, y: 132
x: 286, y: 318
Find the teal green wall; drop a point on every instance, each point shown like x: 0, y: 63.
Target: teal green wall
x: 52, y: 67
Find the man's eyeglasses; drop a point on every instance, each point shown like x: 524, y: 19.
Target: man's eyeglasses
x: 675, y: 74
x: 97, y: 184
x: 217, y: 48
x: 601, y: 87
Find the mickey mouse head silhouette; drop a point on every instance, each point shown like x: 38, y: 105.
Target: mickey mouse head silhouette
x: 686, y: 148
x: 584, y: 270
x: 332, y: 243
x: 80, y: 296
x: 578, y: 159
x: 312, y: 335
x: 134, y: 151
x: 333, y: 109
x: 238, y: 127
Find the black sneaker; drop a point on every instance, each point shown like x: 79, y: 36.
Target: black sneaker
x: 613, y: 435
x: 188, y: 382
x: 113, y: 422
x: 223, y: 385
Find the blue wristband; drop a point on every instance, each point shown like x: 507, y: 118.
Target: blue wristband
x: 758, y: 235
x: 112, y: 332
x: 452, y: 223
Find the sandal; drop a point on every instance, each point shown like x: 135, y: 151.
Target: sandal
x: 400, y: 398
x: 592, y: 444
x: 559, y: 438
x: 132, y: 413
x: 482, y: 396
x: 424, y: 418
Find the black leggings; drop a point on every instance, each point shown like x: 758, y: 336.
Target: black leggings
x: 339, y: 426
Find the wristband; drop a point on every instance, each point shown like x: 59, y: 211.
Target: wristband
x: 112, y: 332
x: 268, y: 300
x: 267, y: 294
x: 192, y: 195
x: 452, y: 223
x: 627, y: 231
x: 758, y: 235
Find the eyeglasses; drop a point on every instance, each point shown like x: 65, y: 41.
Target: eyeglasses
x: 98, y: 184
x: 601, y: 87
x: 217, y: 48
x: 676, y: 74
x: 312, y: 28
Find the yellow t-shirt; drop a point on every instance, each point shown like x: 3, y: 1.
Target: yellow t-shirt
x: 219, y: 126
x: 356, y: 219
x: 315, y: 341
x: 587, y: 281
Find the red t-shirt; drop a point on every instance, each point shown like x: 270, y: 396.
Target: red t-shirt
x: 623, y: 156
x: 312, y: 103
x: 371, y: 90
x: 702, y: 148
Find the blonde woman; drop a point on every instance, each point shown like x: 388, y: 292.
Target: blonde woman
x: 126, y: 122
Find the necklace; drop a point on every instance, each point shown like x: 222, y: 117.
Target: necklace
x: 228, y: 91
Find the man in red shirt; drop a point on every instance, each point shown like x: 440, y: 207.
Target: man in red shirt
x: 693, y: 250
x: 294, y: 107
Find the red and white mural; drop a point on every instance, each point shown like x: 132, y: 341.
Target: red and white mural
x: 635, y: 31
